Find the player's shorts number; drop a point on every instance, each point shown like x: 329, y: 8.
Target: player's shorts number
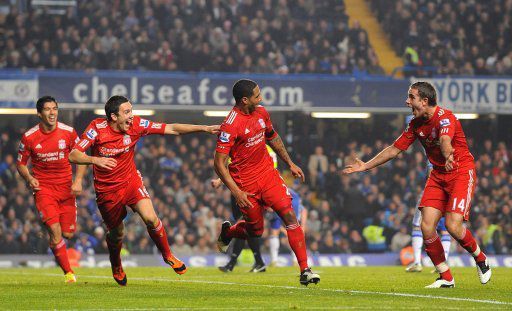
x: 461, y: 205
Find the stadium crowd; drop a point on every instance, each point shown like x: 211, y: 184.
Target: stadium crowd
x: 453, y: 37
x: 347, y: 214
x: 270, y: 36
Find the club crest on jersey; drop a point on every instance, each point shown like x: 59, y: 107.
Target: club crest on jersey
x: 224, y: 137
x: 91, y: 134
x: 444, y: 122
x: 144, y: 123
x: 62, y: 144
x: 262, y: 123
x: 127, y: 140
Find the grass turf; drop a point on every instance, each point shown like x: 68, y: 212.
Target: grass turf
x: 278, y: 288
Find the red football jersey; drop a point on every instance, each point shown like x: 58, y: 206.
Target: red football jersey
x: 106, y: 142
x: 243, y: 137
x: 443, y: 122
x: 48, y: 153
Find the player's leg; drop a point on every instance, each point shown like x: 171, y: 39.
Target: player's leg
x: 446, y: 238
x: 275, y: 229
x: 67, y: 222
x: 237, y: 244
x: 434, y: 248
x: 144, y: 207
x: 114, y: 239
x: 463, y: 186
x: 58, y: 247
x: 417, y: 243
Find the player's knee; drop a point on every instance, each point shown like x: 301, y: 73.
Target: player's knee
x: 428, y: 229
x: 453, y: 227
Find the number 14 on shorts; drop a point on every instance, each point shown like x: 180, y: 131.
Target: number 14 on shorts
x: 461, y: 204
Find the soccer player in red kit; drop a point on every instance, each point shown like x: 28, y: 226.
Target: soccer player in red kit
x: 450, y: 186
x: 117, y: 181
x: 252, y: 178
x: 48, y: 145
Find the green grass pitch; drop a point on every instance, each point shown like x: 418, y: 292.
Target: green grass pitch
x: 277, y: 289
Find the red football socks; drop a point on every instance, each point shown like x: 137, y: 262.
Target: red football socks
x: 61, y: 255
x: 238, y: 231
x: 298, y: 244
x: 435, y: 251
x: 114, y: 250
x: 159, y: 236
x: 468, y: 243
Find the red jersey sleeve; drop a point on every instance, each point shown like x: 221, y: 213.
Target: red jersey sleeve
x: 270, y: 132
x: 23, y: 151
x: 406, y: 139
x: 447, y: 125
x: 226, y: 138
x: 74, y: 139
x: 88, y: 139
x: 146, y: 127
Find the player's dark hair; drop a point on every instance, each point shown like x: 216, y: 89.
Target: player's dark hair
x: 112, y: 105
x: 243, y: 88
x: 426, y: 90
x: 43, y: 100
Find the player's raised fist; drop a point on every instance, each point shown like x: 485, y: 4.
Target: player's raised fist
x: 357, y: 166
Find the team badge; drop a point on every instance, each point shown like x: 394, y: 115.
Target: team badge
x: 144, y: 123
x: 262, y: 123
x: 224, y: 137
x: 62, y: 144
x: 91, y: 134
x: 127, y: 140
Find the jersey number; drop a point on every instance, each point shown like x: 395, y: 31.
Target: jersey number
x: 461, y: 205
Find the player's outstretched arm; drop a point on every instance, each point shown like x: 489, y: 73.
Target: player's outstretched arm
x: 180, y: 129
x: 384, y: 156
x: 78, y: 157
x: 32, y: 182
x: 241, y: 197
x: 278, y: 146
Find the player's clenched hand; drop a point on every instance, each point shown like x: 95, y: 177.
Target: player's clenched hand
x: 216, y: 183
x: 34, y: 184
x: 242, y: 199
x: 213, y: 129
x: 448, y: 165
x: 76, y: 188
x: 297, y: 172
x: 357, y: 166
x: 107, y: 163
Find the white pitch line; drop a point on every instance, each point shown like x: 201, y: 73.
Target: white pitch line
x: 346, y: 291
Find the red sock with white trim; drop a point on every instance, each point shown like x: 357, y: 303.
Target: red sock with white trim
x: 159, y: 236
x: 114, y: 250
x: 61, y: 255
x: 435, y: 251
x: 468, y: 242
x: 298, y: 244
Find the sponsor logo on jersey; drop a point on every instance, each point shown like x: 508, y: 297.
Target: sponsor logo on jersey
x: 91, y: 134
x: 62, y: 144
x: 262, y: 123
x: 102, y: 125
x: 247, y: 131
x: 156, y: 126
x: 22, y: 147
x: 444, y: 122
x: 127, y: 140
x: 224, y: 137
x: 144, y: 123
x: 61, y: 155
x: 39, y: 146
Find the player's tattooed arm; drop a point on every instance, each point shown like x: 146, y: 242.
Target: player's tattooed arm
x: 278, y: 146
x: 180, y: 129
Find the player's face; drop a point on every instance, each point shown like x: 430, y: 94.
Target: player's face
x: 418, y: 105
x: 49, y: 114
x: 254, y: 100
x: 124, y: 118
